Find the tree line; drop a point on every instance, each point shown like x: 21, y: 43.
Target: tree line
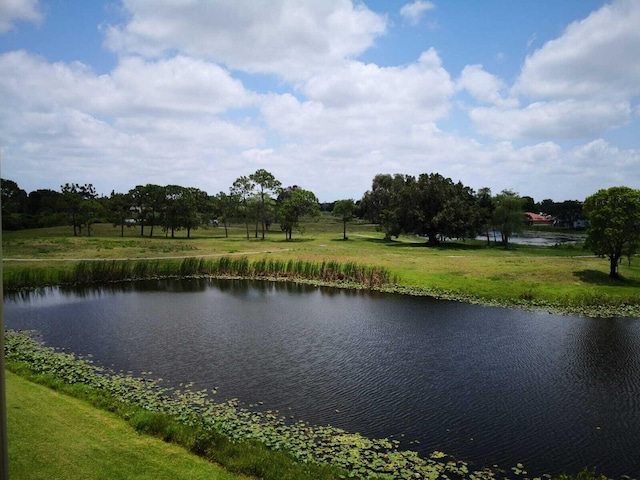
x: 429, y: 205
x: 255, y: 200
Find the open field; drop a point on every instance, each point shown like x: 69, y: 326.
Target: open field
x: 564, y: 276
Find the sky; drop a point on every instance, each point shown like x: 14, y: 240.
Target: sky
x: 537, y: 96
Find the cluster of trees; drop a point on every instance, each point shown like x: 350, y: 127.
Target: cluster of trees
x: 429, y: 205
x: 255, y: 198
x: 436, y: 208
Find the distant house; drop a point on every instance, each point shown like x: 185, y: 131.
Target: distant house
x: 532, y: 219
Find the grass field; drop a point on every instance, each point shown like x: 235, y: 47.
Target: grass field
x: 52, y: 435
x: 564, y: 276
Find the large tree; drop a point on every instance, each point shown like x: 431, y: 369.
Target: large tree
x: 508, y: 214
x: 613, y: 216
x: 383, y: 203
x: 294, y: 203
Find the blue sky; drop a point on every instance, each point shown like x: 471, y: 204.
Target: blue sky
x: 538, y: 96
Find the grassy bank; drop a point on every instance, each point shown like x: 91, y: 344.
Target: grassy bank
x: 564, y: 277
x: 70, y: 440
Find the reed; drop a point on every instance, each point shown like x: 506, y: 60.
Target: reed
x: 104, y: 271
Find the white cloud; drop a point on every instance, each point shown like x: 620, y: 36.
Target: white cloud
x: 597, y: 56
x: 558, y: 119
x: 413, y: 12
x: 12, y: 10
x: 483, y: 86
x: 289, y: 38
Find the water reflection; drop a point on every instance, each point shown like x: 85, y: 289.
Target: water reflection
x: 489, y: 385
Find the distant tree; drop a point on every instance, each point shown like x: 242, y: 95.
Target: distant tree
x: 613, y: 223
x: 265, y: 182
x: 224, y: 207
x: 14, y: 205
x: 485, y: 210
x: 80, y: 205
x: 344, y: 210
x: 43, y: 208
x: 508, y: 215
x: 294, y: 203
x: 242, y: 190
x: 119, y: 208
x: 529, y: 204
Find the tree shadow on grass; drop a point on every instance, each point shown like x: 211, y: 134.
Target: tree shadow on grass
x: 444, y: 246
x: 597, y: 277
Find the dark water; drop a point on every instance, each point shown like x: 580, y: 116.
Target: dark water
x: 488, y: 385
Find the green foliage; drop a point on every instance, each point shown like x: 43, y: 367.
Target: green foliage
x: 293, y: 204
x: 260, y: 443
x: 614, y: 224
x: 508, y: 214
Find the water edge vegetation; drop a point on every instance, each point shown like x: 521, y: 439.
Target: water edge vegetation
x: 560, y: 278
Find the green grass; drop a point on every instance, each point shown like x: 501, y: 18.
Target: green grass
x: 52, y: 435
x: 564, y: 277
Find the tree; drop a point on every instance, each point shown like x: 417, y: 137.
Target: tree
x: 613, y: 223
x: 267, y: 183
x: 120, y: 209
x: 224, y: 207
x: 443, y: 209
x: 294, y: 203
x: 485, y: 212
x: 80, y: 205
x: 381, y: 204
x: 14, y: 205
x: 241, y: 190
x: 508, y: 215
x: 344, y: 209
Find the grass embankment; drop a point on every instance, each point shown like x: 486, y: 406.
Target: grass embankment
x: 564, y: 278
x: 52, y: 435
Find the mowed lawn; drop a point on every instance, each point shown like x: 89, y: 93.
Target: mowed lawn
x: 53, y: 436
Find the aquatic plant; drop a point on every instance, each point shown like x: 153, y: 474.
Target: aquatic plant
x: 209, y: 428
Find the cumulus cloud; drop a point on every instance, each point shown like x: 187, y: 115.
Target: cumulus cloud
x: 597, y: 56
x: 13, y: 10
x: 558, y: 119
x: 580, y: 85
x: 483, y: 86
x: 144, y: 118
x: 413, y: 12
x: 288, y: 38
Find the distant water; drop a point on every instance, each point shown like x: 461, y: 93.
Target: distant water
x: 488, y: 385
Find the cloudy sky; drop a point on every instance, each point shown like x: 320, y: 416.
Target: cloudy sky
x: 538, y: 96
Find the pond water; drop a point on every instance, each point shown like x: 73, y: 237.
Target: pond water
x: 488, y: 385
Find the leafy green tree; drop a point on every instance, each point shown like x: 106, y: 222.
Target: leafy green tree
x: 508, y: 215
x: 344, y: 209
x: 241, y: 190
x: 613, y: 216
x: 443, y: 209
x: 294, y: 203
x: 266, y: 182
x: 382, y: 204
x: 80, y: 205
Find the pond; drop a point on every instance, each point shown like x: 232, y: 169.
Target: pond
x: 487, y: 385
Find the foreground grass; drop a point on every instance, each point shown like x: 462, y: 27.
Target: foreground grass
x: 565, y: 277
x: 52, y: 435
